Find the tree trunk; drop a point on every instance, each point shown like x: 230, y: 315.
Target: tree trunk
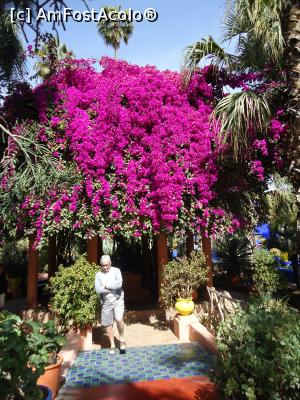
x: 162, y: 256
x: 189, y: 243
x: 146, y: 263
x: 32, y: 274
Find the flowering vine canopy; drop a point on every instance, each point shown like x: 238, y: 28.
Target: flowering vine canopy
x: 137, y: 153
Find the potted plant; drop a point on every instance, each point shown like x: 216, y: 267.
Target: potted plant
x: 178, y: 280
x: 24, y: 353
x: 74, y: 299
x: 51, y: 343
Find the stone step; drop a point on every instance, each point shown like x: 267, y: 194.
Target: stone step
x: 146, y: 316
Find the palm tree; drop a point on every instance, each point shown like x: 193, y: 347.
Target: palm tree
x: 266, y: 33
x: 114, y: 31
x: 234, y: 253
x: 11, y: 49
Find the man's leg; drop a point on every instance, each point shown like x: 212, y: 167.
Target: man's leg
x: 110, y: 333
x: 119, y: 318
x: 107, y: 320
x: 121, y: 326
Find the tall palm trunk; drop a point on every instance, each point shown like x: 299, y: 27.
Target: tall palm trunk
x: 291, y: 27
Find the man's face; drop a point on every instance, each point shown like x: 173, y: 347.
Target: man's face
x: 105, y: 267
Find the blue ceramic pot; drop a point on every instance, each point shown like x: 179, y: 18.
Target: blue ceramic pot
x: 287, y: 263
x: 46, y: 391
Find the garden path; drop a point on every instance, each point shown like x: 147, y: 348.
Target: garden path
x: 176, y: 371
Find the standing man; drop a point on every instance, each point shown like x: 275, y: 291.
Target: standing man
x: 108, y: 284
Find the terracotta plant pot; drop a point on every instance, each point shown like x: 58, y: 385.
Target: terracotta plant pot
x: 51, y: 376
x: 85, y: 339
x: 184, y: 306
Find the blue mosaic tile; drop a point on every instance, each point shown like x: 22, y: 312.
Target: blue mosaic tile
x: 97, y: 367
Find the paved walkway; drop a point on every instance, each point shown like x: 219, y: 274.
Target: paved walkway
x: 161, y: 371
x: 149, y: 370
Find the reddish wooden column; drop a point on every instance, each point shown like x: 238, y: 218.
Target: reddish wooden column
x: 32, y: 274
x: 52, y: 267
x: 162, y: 256
x: 94, y: 249
x: 206, y: 247
x: 189, y: 243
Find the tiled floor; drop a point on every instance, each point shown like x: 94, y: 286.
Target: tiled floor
x: 97, y: 367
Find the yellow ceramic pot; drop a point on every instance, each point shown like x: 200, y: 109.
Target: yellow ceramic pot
x: 284, y: 256
x: 184, y: 306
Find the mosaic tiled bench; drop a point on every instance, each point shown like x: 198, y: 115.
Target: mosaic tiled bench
x: 97, y: 367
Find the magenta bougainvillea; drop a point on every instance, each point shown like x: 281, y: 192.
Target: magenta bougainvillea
x: 143, y: 150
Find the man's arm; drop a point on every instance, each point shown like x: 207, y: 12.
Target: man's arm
x: 117, y: 282
x: 99, y: 286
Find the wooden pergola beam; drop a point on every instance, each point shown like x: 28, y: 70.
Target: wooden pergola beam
x: 52, y: 267
x: 94, y: 250
x: 32, y: 274
x: 162, y: 256
x: 206, y: 247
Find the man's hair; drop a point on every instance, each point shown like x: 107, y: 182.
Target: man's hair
x: 104, y: 259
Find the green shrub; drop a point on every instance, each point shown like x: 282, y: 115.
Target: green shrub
x: 266, y: 279
x: 24, y: 353
x: 74, y: 300
x: 180, y: 277
x: 259, y: 353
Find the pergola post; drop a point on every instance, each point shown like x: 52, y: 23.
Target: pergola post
x: 162, y: 256
x: 52, y: 267
x: 94, y: 249
x: 32, y: 274
x: 206, y: 247
x: 189, y: 242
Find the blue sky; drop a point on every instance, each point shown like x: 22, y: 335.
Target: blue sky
x: 159, y: 43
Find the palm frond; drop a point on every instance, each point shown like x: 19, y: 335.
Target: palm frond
x: 252, y: 53
x: 206, y: 49
x: 261, y: 20
x: 35, y: 171
x: 237, y: 114
x: 234, y: 26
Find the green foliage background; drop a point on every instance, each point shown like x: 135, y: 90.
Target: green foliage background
x: 259, y: 353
